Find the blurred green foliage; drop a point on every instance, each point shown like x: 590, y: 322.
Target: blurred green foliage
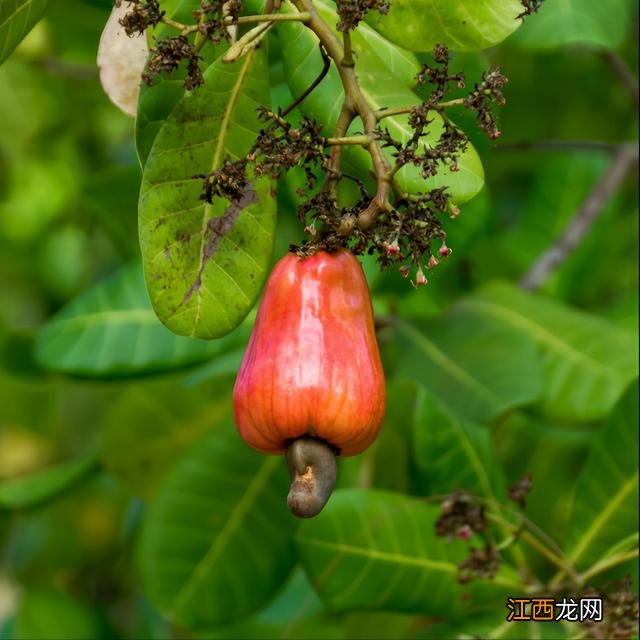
x: 485, y: 383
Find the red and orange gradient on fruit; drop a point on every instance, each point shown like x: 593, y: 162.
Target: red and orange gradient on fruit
x: 312, y: 366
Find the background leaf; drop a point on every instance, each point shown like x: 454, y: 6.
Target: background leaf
x: 111, y: 330
x: 205, y: 263
x: 48, y: 614
x: 217, y: 540
x: 378, y: 550
x: 587, y: 361
x: 475, y: 366
x: 565, y: 22
x: 606, y: 503
x: 453, y: 454
x: 311, y: 620
x: 30, y: 490
x: 554, y: 453
x: 465, y: 25
x: 149, y: 426
x: 17, y: 18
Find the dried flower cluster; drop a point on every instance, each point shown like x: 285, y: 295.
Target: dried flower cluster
x: 212, y: 20
x: 530, y: 7
x: 140, y: 16
x: 621, y: 610
x: 483, y: 96
x: 452, y: 140
x: 352, y: 12
x: 520, y: 490
x: 481, y: 563
x: 461, y: 512
x: 166, y: 57
x: 406, y: 233
x: 463, y: 515
x: 279, y: 147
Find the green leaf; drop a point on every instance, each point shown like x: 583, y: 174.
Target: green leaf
x: 17, y: 18
x: 205, y: 263
x: 588, y: 362
x: 382, y: 88
x: 565, y: 22
x: 371, y: 48
x: 144, y: 436
x: 494, y: 625
x: 156, y: 102
x: 217, y: 540
x: 112, y: 331
x: 42, y: 486
x: 464, y: 25
x: 387, y: 92
x: 48, y: 614
x: 473, y: 365
x: 389, y: 461
x: 453, y: 454
x: 295, y: 612
x: 553, y: 453
x: 378, y: 550
x: 606, y: 506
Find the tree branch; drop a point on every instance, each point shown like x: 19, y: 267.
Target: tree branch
x: 626, y: 76
x: 387, y: 113
x: 589, y: 210
x: 185, y: 29
x: 354, y: 104
x: 326, y: 64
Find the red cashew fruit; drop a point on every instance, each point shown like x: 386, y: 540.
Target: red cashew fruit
x: 312, y: 368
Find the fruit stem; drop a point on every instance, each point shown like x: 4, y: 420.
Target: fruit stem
x: 313, y: 471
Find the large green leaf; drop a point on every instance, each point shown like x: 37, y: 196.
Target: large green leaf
x: 378, y: 550
x: 382, y: 88
x: 606, y: 506
x: 205, y: 263
x: 144, y: 435
x: 588, y: 362
x: 38, y: 487
x: 463, y: 25
x: 563, y: 22
x: 17, y: 18
x: 217, y: 539
x: 453, y: 454
x: 473, y: 365
x: 111, y: 330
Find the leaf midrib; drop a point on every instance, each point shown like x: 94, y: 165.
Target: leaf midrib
x: 235, y: 520
x: 543, y: 335
x: 217, y: 155
x: 110, y: 317
x: 13, y: 14
x: 598, y: 523
x: 440, y: 358
x: 397, y: 558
